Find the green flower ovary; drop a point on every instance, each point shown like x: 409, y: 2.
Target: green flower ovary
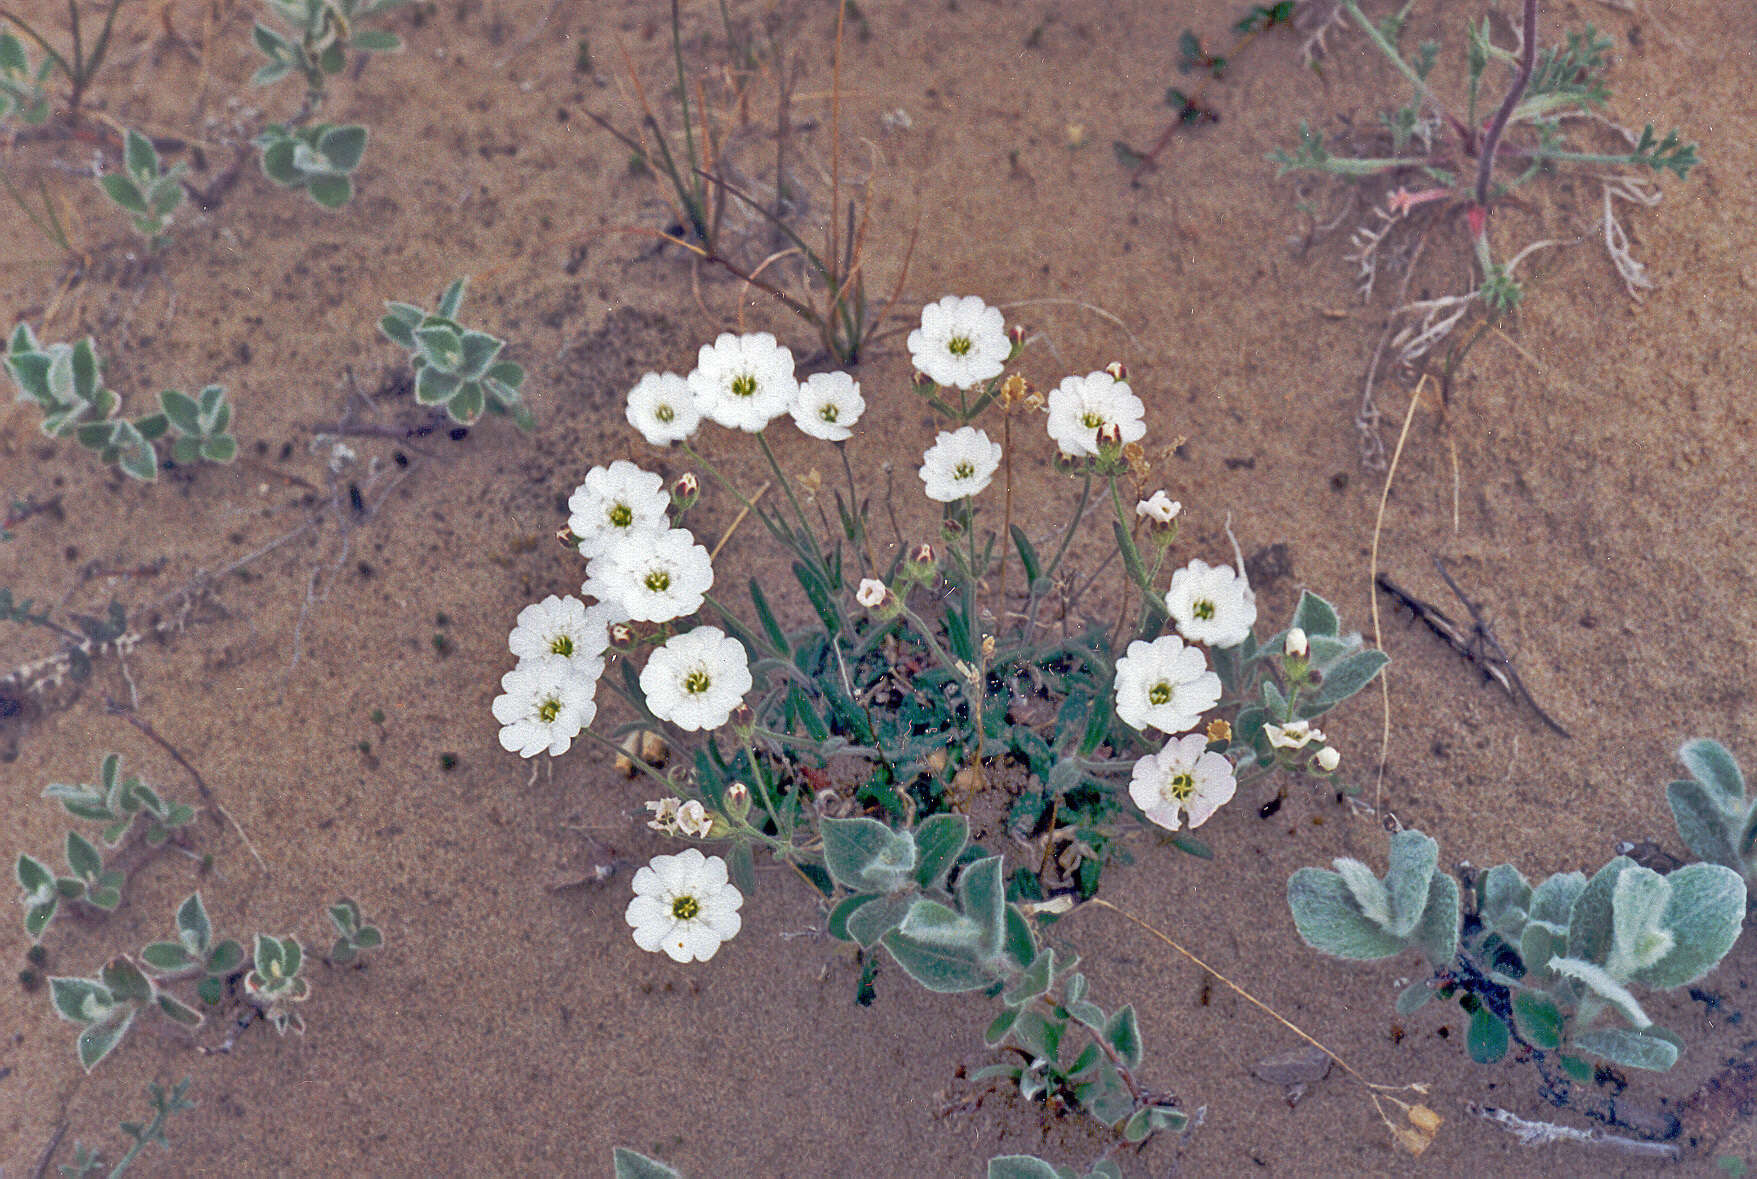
x: 744, y: 385
x: 549, y: 710
x: 959, y: 345
x: 827, y: 412
x: 561, y: 645
x: 1159, y: 693
x: 1091, y: 420
x: 685, y: 908
x: 621, y: 516
x: 1203, y: 609
x: 1180, y: 786
x: 658, y: 581
x: 696, y: 682
x: 665, y: 414
x: 964, y: 470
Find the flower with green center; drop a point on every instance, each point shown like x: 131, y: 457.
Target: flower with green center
x: 652, y: 578
x: 564, y: 626
x: 696, y: 679
x: 684, y: 905
x: 1184, y: 780
x: 961, y: 342
x: 663, y: 409
x: 1211, y: 605
x: 1164, y: 685
x: 614, y: 502
x: 743, y: 382
x: 959, y: 464
x: 545, y: 702
x: 828, y: 405
x: 1080, y: 407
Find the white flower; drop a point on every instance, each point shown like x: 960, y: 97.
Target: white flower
x: 1296, y: 644
x: 1159, y: 508
x: 1184, y: 776
x: 692, y: 819
x: 547, y: 701
x: 652, y: 578
x: 961, y: 342
x: 1082, y: 406
x: 743, y: 382
x: 614, y: 502
x: 1164, y: 685
x: 696, y: 679
x: 959, y: 464
x: 684, y: 905
x: 663, y: 409
x: 664, y: 814
x: 1293, y: 735
x: 828, y: 405
x: 871, y: 593
x: 565, y: 627
x: 1211, y: 605
x: 1328, y: 759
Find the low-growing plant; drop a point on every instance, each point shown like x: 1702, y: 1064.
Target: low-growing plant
x: 321, y: 34
x: 353, y: 933
x: 1549, y: 967
x: 455, y: 366
x: 79, y: 64
x: 144, y: 188
x: 1468, y: 158
x: 21, y: 84
x: 318, y: 159
x: 164, y: 1104
x: 66, y: 382
x: 916, y: 689
x: 1716, y: 818
x: 93, y: 633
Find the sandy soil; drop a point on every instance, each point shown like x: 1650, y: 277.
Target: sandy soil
x: 1588, y: 483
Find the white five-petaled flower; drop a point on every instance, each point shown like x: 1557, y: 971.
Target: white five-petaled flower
x: 652, y: 578
x: 1211, y: 604
x: 1080, y: 407
x: 1159, y: 508
x: 615, y: 502
x: 959, y: 464
x: 828, y: 405
x: 961, y: 342
x: 871, y: 593
x: 1296, y: 734
x: 743, y: 382
x: 696, y: 679
x: 563, y: 626
x: 1184, y: 777
x: 663, y: 409
x: 685, y: 905
x: 1164, y: 685
x: 547, y: 700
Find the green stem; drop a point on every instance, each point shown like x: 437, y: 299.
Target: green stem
x: 1390, y: 51
x: 787, y: 487
x: 697, y: 202
x: 1073, y: 524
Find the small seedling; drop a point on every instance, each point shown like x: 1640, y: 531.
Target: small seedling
x: 21, y: 87
x: 118, y: 802
x: 86, y: 1160
x: 455, y: 366
x: 323, y: 32
x: 354, y: 934
x: 318, y: 159
x: 274, y: 982
x: 144, y: 189
x: 66, y: 382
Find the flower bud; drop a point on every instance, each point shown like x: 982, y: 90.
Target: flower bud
x: 1328, y: 759
x: 1296, y: 646
x: 1016, y: 335
x: 987, y: 648
x: 1117, y: 371
x: 568, y: 540
x: 743, y: 720
x: 737, y: 801
x: 872, y: 593
x: 951, y: 529
x: 922, y: 382
x: 685, y: 491
x: 1110, y: 438
x: 621, y: 634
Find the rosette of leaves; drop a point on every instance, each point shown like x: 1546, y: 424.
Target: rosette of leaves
x: 275, y: 983
x: 323, y: 32
x: 1540, y: 964
x: 1029, y: 1166
x: 1716, y: 819
x: 144, y: 189
x: 118, y: 802
x: 354, y: 934
x: 195, y: 953
x: 90, y: 882
x: 200, y: 424
x: 105, y: 1006
x: 1280, y: 689
x: 455, y: 366
x: 317, y: 158
x: 21, y: 87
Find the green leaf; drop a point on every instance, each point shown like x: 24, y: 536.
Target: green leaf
x: 433, y: 387
x: 186, y: 451
x: 1027, y: 556
x: 1553, y: 900
x: 222, y: 448
x: 982, y: 894
x: 509, y: 374
x: 1039, y: 1035
x: 1123, y: 1034
x: 938, y: 841
x: 84, y: 359
x: 1414, y: 997
x: 864, y: 855
x: 226, y: 957
x: 1344, y: 680
x: 766, y: 617
x: 941, y: 968
x: 37, y: 916
x: 452, y: 298
x: 1704, y: 913
x: 1437, y: 934
x: 376, y: 41
x: 99, y: 1040
x: 1023, y: 1166
x: 35, y: 878
x: 124, y: 192
x: 1631, y: 1049
x: 867, y: 924
x: 633, y: 1165
x: 480, y: 349
x: 179, y: 1011
x: 466, y: 404
x: 167, y: 957
x: 1538, y: 1020
x: 1710, y: 764
x: 1315, y: 616
x: 194, y: 929
x: 125, y: 981
x: 998, y: 1029
x: 1033, y: 981
x: 1601, y: 983
x: 82, y: 857
x: 332, y: 192
x: 342, y: 147
x: 1638, y: 906
x: 1328, y: 919
x: 182, y: 410
x: 1589, y: 921
x: 1487, y: 1039
x: 838, y: 922
x: 1413, y: 858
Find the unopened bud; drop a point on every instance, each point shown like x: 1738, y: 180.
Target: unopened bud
x: 1016, y: 334
x: 924, y: 555
x: 620, y: 634
x: 1296, y: 643
x: 565, y: 535
x: 987, y: 648
x: 1110, y: 438
x: 1328, y: 759
x: 685, y: 491
x: 737, y: 800
x: 1117, y: 371
x: 951, y: 529
x: 872, y: 593
x: 921, y: 381
x: 743, y: 719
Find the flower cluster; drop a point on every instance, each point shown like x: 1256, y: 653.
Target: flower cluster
x: 743, y: 383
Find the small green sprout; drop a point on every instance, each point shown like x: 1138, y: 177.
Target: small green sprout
x: 318, y: 159
x: 455, y: 366
x: 144, y: 189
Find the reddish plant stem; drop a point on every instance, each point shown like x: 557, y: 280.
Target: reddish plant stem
x: 1492, y: 138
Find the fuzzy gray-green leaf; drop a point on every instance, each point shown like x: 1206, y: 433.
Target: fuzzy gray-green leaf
x: 1704, y: 914
x: 1631, y: 1049
x: 1328, y: 919
x: 1711, y: 764
x: 1414, y: 857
